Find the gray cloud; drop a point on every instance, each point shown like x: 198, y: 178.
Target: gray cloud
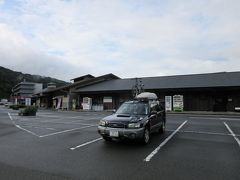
x: 66, y: 39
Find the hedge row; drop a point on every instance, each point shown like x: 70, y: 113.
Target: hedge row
x: 28, y: 111
x: 17, y: 107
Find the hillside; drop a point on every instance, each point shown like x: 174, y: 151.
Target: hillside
x: 9, y: 78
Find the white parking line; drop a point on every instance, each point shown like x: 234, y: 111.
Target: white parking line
x: 47, y: 116
x: 149, y: 157
x: 230, y: 119
x: 69, y: 130
x: 232, y: 133
x: 21, y: 127
x: 53, y: 129
x: 51, y: 134
x: 84, y: 144
x: 63, y: 119
x: 202, y: 132
x: 86, y: 124
x: 199, y: 117
x: 215, y: 118
x: 82, y: 117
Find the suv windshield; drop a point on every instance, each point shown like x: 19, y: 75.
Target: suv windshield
x: 135, y: 108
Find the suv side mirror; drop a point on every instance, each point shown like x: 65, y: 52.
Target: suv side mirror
x: 153, y: 113
x: 114, y: 111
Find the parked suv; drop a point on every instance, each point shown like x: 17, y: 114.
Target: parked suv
x: 135, y: 119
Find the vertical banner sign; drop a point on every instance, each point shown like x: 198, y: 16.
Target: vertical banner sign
x: 65, y: 102
x: 16, y: 101
x: 59, y: 103
x: 168, y: 103
x: 178, y: 103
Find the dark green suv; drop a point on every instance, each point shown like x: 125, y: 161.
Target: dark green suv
x: 135, y: 119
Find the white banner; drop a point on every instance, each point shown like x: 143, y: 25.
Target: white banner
x: 168, y: 103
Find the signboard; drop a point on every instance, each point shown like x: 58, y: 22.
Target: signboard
x: 178, y: 103
x: 28, y: 101
x: 168, y: 103
x: 107, y: 99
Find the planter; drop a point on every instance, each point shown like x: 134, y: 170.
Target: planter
x: 28, y: 111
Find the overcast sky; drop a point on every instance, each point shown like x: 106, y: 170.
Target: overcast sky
x: 130, y: 38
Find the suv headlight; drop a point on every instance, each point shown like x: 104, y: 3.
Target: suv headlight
x: 134, y: 125
x: 102, y: 123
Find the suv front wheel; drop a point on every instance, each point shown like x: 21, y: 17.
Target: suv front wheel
x: 108, y: 139
x: 162, y: 128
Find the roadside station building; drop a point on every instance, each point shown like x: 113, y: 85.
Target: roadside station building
x: 199, y: 92
x: 65, y: 97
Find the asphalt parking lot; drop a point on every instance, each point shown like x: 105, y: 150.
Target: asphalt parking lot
x: 66, y: 145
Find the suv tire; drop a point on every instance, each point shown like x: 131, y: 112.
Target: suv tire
x: 162, y: 128
x: 108, y: 139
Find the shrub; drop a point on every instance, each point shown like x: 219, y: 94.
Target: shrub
x: 28, y: 111
x: 17, y: 107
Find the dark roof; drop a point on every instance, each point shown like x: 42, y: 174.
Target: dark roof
x: 221, y: 79
x: 83, y: 83
x: 88, y: 76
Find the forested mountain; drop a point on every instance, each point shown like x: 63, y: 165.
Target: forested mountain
x: 9, y: 78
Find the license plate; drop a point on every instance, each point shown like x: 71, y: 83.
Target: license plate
x: 114, y: 133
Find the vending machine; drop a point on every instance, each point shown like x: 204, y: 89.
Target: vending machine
x: 178, y: 103
x: 87, y: 103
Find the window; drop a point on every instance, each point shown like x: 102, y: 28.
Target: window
x: 133, y: 109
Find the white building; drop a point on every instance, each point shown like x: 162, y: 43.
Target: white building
x: 22, y: 92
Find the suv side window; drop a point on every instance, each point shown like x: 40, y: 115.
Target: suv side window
x: 158, y: 108
x: 161, y: 107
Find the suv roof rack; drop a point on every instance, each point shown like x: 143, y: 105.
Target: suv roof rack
x: 147, y: 95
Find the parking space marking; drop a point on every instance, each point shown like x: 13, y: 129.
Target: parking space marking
x: 150, y: 156
x: 53, y: 129
x: 215, y: 118
x: 201, y: 132
x: 230, y: 119
x: 204, y: 132
x: 232, y: 133
x: 21, y: 127
x: 63, y: 118
x: 48, y: 116
x: 79, y: 117
x: 65, y: 131
x: 86, y: 125
x: 208, y: 118
x: 87, y: 143
x: 37, y: 127
x: 74, y: 122
x: 59, y: 121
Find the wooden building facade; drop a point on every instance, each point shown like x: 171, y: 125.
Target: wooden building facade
x: 201, y: 92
